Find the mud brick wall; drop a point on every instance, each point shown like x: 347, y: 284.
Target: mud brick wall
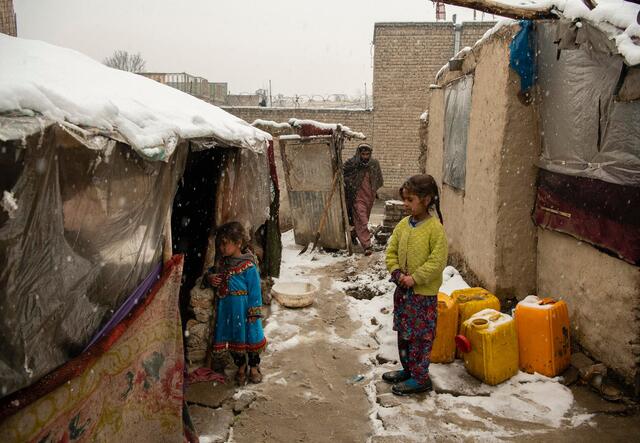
x: 407, y: 58
x: 7, y: 18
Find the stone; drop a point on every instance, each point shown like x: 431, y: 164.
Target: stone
x: 209, y: 393
x: 383, y: 387
x: 212, y: 425
x: 388, y: 400
x: 243, y: 401
x: 579, y: 360
x: 570, y: 376
x: 381, y: 359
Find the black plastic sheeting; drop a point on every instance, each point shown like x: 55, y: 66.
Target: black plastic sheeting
x: 589, y: 130
x: 87, y: 230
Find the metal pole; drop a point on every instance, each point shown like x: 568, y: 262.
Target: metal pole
x: 270, y: 100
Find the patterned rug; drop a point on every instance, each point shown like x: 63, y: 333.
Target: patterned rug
x: 127, y: 387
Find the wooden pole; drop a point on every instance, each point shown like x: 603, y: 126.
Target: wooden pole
x: 497, y: 8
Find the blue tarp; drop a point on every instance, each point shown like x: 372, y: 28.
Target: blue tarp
x: 522, y: 55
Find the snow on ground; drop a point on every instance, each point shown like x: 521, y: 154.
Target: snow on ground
x: 525, y: 404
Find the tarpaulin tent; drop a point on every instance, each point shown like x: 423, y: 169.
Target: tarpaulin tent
x: 90, y: 161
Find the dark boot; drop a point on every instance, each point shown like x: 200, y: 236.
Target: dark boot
x: 411, y: 386
x: 396, y: 376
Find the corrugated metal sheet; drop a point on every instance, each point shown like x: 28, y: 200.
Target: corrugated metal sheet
x: 310, y: 165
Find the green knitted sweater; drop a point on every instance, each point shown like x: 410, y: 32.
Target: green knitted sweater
x: 419, y: 251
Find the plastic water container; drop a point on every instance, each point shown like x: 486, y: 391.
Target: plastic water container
x: 489, y: 346
x: 473, y: 300
x: 543, y: 335
x: 444, y: 346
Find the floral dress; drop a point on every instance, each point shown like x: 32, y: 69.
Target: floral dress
x: 238, y: 325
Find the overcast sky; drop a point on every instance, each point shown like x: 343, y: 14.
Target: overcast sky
x: 303, y: 47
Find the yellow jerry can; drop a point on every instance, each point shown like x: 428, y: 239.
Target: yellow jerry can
x: 444, y: 346
x: 489, y: 346
x: 543, y: 335
x: 472, y: 300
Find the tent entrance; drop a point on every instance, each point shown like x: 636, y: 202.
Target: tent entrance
x: 193, y: 214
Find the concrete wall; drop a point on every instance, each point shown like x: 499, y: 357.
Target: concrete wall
x: 406, y: 60
x: 603, y: 295
x: 488, y: 223
x: 8, y: 18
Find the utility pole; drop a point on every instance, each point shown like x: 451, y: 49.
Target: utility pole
x: 365, y: 95
x: 270, y: 101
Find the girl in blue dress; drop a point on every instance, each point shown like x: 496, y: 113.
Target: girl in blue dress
x: 238, y: 326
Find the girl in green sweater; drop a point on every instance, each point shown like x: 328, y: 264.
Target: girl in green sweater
x: 416, y: 257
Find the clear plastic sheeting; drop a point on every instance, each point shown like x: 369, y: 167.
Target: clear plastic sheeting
x: 244, y: 190
x: 457, y: 111
x: 587, y: 131
x: 85, y: 234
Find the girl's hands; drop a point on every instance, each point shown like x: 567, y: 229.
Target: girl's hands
x: 214, y: 280
x: 406, y: 281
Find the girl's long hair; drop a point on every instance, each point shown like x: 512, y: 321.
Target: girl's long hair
x: 424, y: 185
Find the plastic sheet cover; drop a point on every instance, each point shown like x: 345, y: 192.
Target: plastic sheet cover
x: 87, y: 230
x: 245, y: 190
x: 587, y: 130
x: 457, y: 102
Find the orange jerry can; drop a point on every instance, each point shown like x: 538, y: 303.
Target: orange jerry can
x: 471, y: 301
x: 444, y: 346
x: 543, y: 335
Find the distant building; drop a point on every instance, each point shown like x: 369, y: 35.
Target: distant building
x: 8, y: 18
x: 200, y: 87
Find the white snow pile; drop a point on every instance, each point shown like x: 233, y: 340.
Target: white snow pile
x: 297, y: 123
x: 532, y: 301
x: 9, y: 203
x: 68, y: 87
x: 452, y: 281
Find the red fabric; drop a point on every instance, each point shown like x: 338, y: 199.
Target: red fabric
x: 604, y: 214
x: 308, y: 130
x: 204, y: 374
x: 12, y: 403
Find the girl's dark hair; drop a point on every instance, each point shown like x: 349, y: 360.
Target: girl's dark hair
x: 232, y: 231
x: 424, y: 185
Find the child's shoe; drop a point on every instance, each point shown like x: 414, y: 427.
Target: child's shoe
x: 411, y: 386
x: 255, y: 376
x: 241, y: 375
x: 396, y: 376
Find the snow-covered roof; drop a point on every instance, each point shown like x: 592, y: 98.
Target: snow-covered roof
x: 618, y: 19
x: 59, y: 85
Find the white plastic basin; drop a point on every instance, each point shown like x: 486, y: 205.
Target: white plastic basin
x: 294, y: 294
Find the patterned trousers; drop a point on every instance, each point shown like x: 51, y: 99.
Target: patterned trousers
x: 414, y: 318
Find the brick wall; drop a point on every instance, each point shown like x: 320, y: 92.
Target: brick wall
x: 7, y: 18
x: 357, y: 120
x: 407, y: 58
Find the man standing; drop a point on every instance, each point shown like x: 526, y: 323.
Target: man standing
x: 362, y: 179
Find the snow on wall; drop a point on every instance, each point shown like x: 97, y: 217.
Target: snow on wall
x: 616, y: 18
x: 68, y: 87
